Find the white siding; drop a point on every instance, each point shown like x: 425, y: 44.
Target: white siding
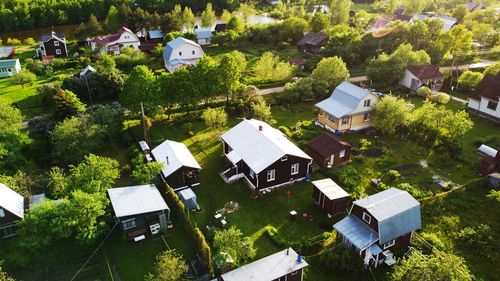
x: 360, y: 108
x: 473, y: 104
x: 406, y: 81
x: 187, y: 52
x: 483, y: 107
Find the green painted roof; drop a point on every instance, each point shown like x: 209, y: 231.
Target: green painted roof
x: 8, y: 63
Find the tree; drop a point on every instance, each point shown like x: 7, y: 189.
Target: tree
x: 208, y: 16
x: 492, y: 69
x: 93, y: 26
x: 270, y: 68
x: 225, y: 16
x: 169, y: 23
x: 140, y: 87
x: 40, y: 127
x: 339, y: 11
x: 83, y: 213
x: 424, y: 91
x: 235, y: 24
x: 23, y: 77
x: 292, y: 29
x: 246, y: 11
x: 438, y: 266
x: 29, y: 41
x: 332, y: 70
x: 188, y: 19
x: 441, y: 98
x: 390, y: 114
x: 262, y: 111
x: 215, y: 117
x: 62, y: 103
x: 231, y: 242
x: 230, y: 71
x: 177, y: 13
x: 485, y: 34
x: 460, y: 12
x: 125, y: 13
x: 344, y: 42
x: 470, y: 79
x: 413, y: 6
x: 10, y: 117
x: 57, y: 183
x: 4, y: 276
x: 319, y: 22
x: 112, y: 21
x: 169, y: 267
x: 95, y: 174
x: 146, y: 173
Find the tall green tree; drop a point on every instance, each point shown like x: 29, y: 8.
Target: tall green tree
x: 23, y: 77
x: 231, y: 242
x: 141, y: 86
x: 93, y: 26
x: 319, y: 22
x: 390, y: 114
x: 344, y: 42
x: 188, y: 19
x: 95, y: 174
x: 10, y: 117
x: 292, y: 29
x: 146, y: 173
x: 270, y: 68
x: 230, y: 72
x: 470, y: 79
x: 235, y: 24
x: 225, y: 16
x: 112, y: 21
x: 332, y: 70
x: 339, y: 11
x: 169, y: 266
x: 208, y: 16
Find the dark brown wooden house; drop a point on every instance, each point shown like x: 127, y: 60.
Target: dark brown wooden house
x: 285, y: 265
x: 263, y: 156
x: 313, y: 42
x: 380, y: 223
x: 11, y: 211
x: 490, y: 159
x: 139, y: 210
x: 180, y: 170
x: 52, y: 45
x: 330, y: 197
x: 327, y: 150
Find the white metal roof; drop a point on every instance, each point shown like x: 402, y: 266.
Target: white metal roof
x: 344, y: 99
x: 330, y: 188
x: 266, y: 269
x: 178, y: 156
x: 357, y: 232
x: 134, y: 200
x: 187, y: 194
x: 11, y: 201
x: 87, y: 70
x: 490, y: 151
x: 259, y: 149
x: 144, y: 145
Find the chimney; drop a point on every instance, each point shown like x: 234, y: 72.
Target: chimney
x: 287, y: 251
x: 261, y: 128
x: 167, y: 161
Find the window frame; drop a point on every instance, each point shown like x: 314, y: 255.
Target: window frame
x: 271, y: 175
x: 126, y: 222
x: 342, y: 153
x: 180, y: 54
x: 56, y: 43
x: 284, y: 158
x: 296, y: 167
x: 193, y: 52
x: 367, y: 116
x: 2, y: 213
x: 369, y: 220
x: 389, y: 244
x: 252, y: 174
x: 492, y: 102
x: 345, y: 120
x: 58, y: 52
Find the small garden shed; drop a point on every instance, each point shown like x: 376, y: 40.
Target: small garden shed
x: 189, y: 199
x: 327, y: 150
x: 330, y: 197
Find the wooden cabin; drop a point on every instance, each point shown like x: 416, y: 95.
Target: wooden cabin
x: 327, y: 150
x: 330, y: 197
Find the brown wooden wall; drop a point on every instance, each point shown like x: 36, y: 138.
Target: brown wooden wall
x: 358, y: 212
x: 50, y: 49
x: 283, y: 171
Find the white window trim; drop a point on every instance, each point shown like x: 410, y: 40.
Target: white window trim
x: 367, y: 103
x: 2, y: 213
x: 367, y: 218
x: 294, y: 272
x: 344, y: 122
x: 58, y: 52
x: 389, y: 244
x: 56, y: 43
x: 180, y: 54
x: 368, y: 116
x: 252, y: 174
x: 342, y: 153
x: 127, y: 221
x: 271, y: 175
x: 295, y: 169
x: 284, y: 158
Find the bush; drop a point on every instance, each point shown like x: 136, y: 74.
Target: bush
x: 477, y: 238
x: 348, y: 177
x: 29, y: 41
x: 392, y: 175
x: 343, y: 259
x: 424, y: 91
x: 385, y: 161
x: 13, y: 41
x: 364, y: 144
x: 215, y: 117
x: 442, y: 98
x: 414, y: 191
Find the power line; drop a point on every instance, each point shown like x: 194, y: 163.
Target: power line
x: 91, y: 256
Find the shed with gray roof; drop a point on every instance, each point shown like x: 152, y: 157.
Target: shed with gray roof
x: 9, y: 67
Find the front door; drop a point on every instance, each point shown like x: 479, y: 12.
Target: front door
x: 332, y: 159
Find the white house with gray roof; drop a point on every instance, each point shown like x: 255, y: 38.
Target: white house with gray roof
x: 203, y: 36
x: 9, y: 67
x: 348, y: 108
x: 380, y: 223
x: 11, y: 211
x: 181, y: 52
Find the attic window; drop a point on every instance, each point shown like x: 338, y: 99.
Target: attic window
x: 56, y: 43
x: 284, y: 158
x: 389, y: 244
x: 2, y: 213
x: 367, y: 103
x: 295, y: 272
x: 180, y: 53
x: 367, y: 218
x: 193, y: 52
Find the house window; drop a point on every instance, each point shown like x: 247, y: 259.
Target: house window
x: 345, y: 120
x: 295, y: 169
x: 331, y: 118
x: 271, y: 175
x: 2, y: 213
x: 284, y: 158
x: 127, y: 37
x: 492, y: 105
x: 389, y: 244
x: 295, y: 272
x: 58, y: 52
x: 367, y: 218
x: 180, y: 53
x: 367, y: 116
x: 9, y: 69
x: 127, y: 224
x: 56, y: 43
x: 252, y: 174
x: 342, y: 153
x: 367, y: 103
x: 193, y: 52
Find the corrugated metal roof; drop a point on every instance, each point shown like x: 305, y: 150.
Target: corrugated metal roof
x: 266, y: 269
x: 87, y: 70
x: 155, y: 34
x: 358, y: 233
x: 344, y: 99
x: 9, y: 63
x: 448, y: 22
x: 11, y: 201
x: 259, y: 149
x: 178, y: 156
x: 487, y: 150
x: 6, y: 51
x: 396, y: 211
x: 330, y: 188
x: 203, y: 33
x: 135, y: 200
x: 174, y: 44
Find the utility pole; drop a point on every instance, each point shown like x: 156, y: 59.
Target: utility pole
x: 144, y: 125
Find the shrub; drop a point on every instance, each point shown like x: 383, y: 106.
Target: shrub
x: 392, y: 175
x: 477, y: 238
x: 29, y: 41
x: 364, y: 144
x: 348, y: 177
x: 13, y: 41
x: 215, y: 117
x: 424, y: 91
x: 434, y: 240
x: 414, y: 191
x: 343, y: 259
x: 442, y: 98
